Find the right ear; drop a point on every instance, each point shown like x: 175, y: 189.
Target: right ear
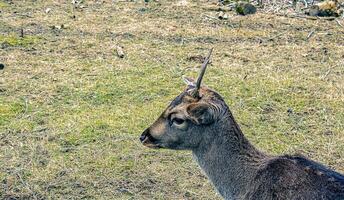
x: 201, y: 113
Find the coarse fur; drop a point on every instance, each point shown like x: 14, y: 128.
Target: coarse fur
x: 206, y: 126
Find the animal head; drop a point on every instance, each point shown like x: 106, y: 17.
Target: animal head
x: 190, y: 115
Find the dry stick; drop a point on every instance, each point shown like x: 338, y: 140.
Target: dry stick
x: 21, y: 32
x: 310, y: 34
x: 307, y: 17
x: 26, y: 106
x: 306, y: 3
x: 329, y: 70
x: 211, y: 17
x: 326, y: 74
x: 327, y: 18
x: 338, y: 22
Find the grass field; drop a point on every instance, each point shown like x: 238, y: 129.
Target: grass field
x: 71, y: 110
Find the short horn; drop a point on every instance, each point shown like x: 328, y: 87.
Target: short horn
x: 195, y: 92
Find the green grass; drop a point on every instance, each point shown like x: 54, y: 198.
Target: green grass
x: 9, y: 110
x: 71, y: 111
x: 18, y: 41
x: 3, y: 5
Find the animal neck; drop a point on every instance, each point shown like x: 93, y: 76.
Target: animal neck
x: 228, y: 159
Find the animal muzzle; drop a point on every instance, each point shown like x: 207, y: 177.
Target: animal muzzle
x: 147, y: 139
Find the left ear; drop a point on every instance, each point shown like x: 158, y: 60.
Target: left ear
x: 188, y: 81
x: 201, y: 113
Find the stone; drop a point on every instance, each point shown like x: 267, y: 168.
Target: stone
x: 244, y: 8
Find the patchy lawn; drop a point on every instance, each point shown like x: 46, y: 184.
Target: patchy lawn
x: 71, y: 110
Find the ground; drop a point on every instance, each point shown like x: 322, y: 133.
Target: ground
x: 71, y: 110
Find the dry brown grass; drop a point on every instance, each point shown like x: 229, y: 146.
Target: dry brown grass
x: 71, y: 111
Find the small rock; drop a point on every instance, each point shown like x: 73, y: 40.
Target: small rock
x: 187, y: 194
x: 120, y: 51
x: 325, y: 9
x: 2, y: 66
x: 59, y: 27
x: 222, y: 15
x: 313, y: 11
x: 142, y: 10
x: 244, y: 8
x: 328, y: 132
x: 47, y: 10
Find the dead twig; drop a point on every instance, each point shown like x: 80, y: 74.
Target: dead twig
x: 26, y: 106
x: 307, y: 17
x: 22, y: 115
x: 306, y: 3
x: 21, y: 33
x: 211, y: 17
x: 330, y: 70
x: 326, y: 74
x: 310, y: 34
x: 338, y: 22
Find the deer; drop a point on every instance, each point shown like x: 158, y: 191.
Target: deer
x: 199, y: 120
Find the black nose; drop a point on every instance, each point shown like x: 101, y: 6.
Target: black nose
x: 144, y: 135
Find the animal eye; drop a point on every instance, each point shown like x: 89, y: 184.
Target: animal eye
x: 178, y: 121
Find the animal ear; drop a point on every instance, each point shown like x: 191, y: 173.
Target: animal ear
x: 189, y: 81
x: 201, y: 113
